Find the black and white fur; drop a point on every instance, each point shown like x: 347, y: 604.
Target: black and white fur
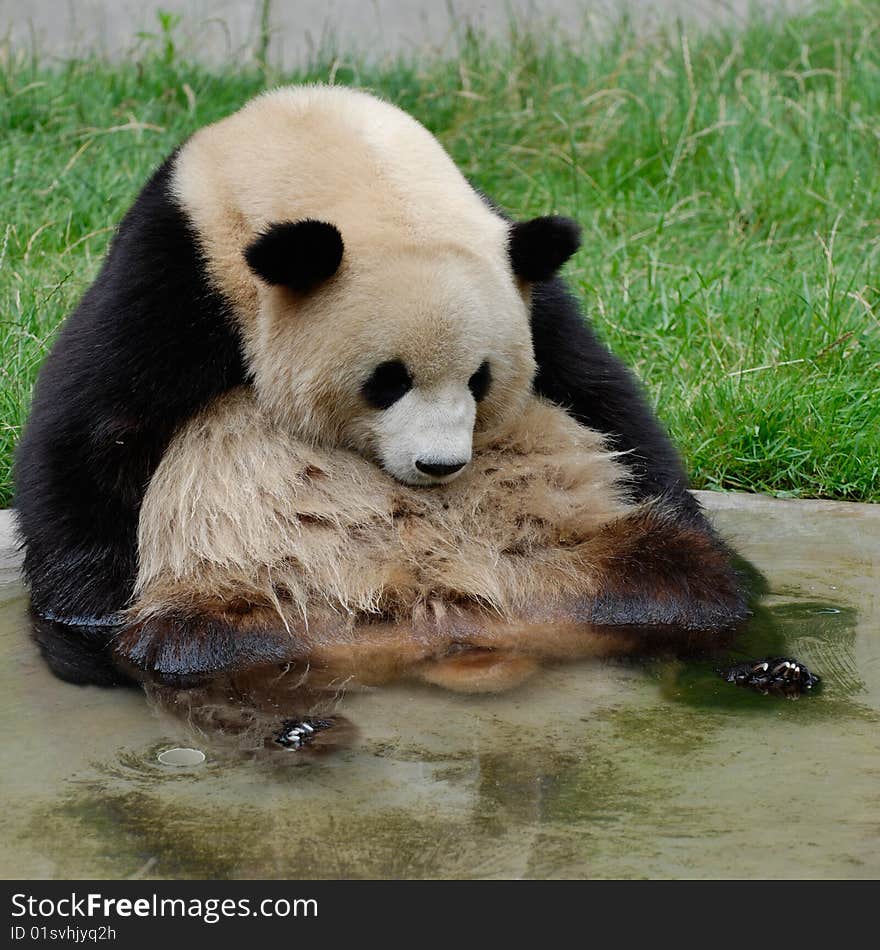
x: 154, y: 340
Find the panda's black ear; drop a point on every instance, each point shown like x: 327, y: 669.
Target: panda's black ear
x: 296, y: 254
x: 538, y: 248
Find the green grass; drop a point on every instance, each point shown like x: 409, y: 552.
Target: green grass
x: 728, y: 185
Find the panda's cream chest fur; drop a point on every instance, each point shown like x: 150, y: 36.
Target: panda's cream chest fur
x: 240, y: 511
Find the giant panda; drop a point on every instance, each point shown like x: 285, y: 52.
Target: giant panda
x: 326, y: 404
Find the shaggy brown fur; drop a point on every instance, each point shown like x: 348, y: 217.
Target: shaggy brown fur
x: 256, y: 547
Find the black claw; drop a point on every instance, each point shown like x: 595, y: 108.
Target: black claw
x: 780, y: 676
x: 297, y: 733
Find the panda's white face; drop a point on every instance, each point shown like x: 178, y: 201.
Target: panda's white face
x: 400, y: 359
x: 345, y: 239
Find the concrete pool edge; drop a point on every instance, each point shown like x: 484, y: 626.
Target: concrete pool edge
x: 727, y: 501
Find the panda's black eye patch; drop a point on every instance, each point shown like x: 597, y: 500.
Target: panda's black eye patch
x: 388, y: 383
x: 479, y: 383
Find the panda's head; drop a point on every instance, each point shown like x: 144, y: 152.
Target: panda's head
x: 399, y: 350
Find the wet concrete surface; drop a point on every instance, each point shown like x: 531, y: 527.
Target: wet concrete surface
x: 228, y: 32
x: 590, y: 770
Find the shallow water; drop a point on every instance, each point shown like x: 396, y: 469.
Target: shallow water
x: 590, y: 770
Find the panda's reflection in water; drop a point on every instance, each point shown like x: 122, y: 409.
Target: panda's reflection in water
x: 273, y: 710
x: 350, y: 427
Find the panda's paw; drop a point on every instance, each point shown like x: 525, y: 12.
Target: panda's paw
x: 298, y: 734
x: 779, y: 676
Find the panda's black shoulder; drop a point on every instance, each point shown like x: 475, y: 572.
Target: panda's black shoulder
x: 149, y: 344
x: 150, y: 311
x: 580, y: 373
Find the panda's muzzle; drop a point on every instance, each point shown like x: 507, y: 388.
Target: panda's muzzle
x: 426, y: 437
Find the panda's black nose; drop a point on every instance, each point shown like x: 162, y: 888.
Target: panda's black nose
x: 439, y: 468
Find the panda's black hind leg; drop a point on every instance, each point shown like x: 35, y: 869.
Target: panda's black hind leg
x: 659, y: 568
